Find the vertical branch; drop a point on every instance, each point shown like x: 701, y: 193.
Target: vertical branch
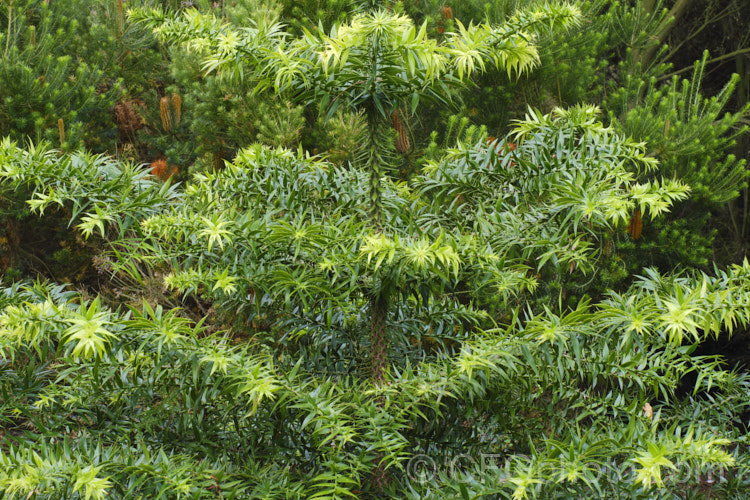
x: 664, y: 29
x: 379, y: 342
x: 374, y: 167
x: 10, y: 25
x: 375, y: 145
x: 120, y: 18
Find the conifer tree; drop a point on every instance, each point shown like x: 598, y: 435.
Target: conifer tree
x: 375, y: 64
x: 44, y: 91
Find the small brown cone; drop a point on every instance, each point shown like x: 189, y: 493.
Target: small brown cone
x: 61, y: 130
x: 403, y: 145
x: 177, y: 106
x: 636, y: 225
x: 166, y: 118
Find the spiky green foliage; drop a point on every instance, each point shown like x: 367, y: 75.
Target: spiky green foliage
x: 375, y: 63
x: 218, y: 116
x: 141, y: 401
x: 571, y: 68
x: 41, y: 81
x: 288, y: 327
x: 69, y: 61
x: 693, y: 136
x: 98, y: 195
x: 65, y: 66
x: 99, y: 191
x: 547, y: 198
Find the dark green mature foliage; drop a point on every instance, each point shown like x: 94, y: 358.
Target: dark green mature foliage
x: 694, y: 137
x: 309, y: 14
x: 284, y: 326
x: 276, y: 244
x: 42, y: 78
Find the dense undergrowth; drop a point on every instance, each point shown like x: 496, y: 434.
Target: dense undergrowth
x: 280, y: 284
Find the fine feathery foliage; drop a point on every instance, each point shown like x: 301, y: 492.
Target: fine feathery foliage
x: 692, y: 135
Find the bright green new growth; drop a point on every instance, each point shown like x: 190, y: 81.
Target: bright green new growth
x: 277, y: 240
x: 284, y: 327
x: 375, y: 64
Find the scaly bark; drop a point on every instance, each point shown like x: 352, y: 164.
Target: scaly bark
x: 379, y: 342
x: 374, y: 167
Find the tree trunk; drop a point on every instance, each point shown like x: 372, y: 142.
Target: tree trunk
x: 374, y: 169
x: 379, y: 342
x: 664, y: 29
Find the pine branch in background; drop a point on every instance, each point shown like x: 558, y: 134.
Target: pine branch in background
x: 692, y: 135
x: 41, y: 82
x: 694, y: 138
